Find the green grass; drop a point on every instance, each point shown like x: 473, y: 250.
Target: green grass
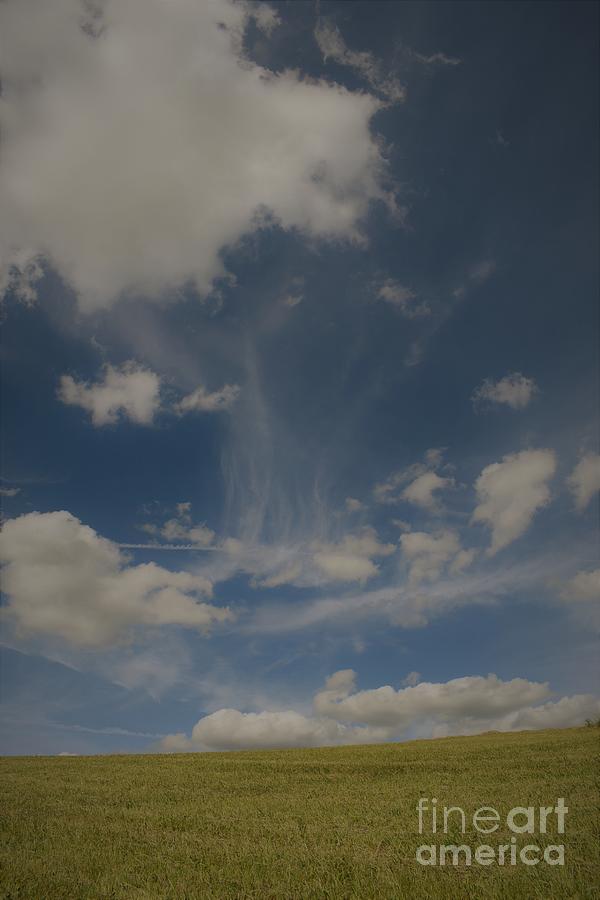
x: 325, y: 823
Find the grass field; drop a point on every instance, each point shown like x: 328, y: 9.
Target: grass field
x: 325, y: 823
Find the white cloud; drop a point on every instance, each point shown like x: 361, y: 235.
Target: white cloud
x: 353, y: 505
x: 584, y: 480
x: 344, y: 567
x: 9, y: 491
x: 64, y: 580
x: 153, y: 670
x: 513, y: 390
x: 181, y: 528
x: 462, y: 561
x: 412, y: 679
x: 421, y: 491
x: 413, y: 605
x: 202, y: 400
x: 477, y: 275
x: 481, y: 271
x: 173, y: 530
x: 351, y: 558
x: 302, y: 563
x: 583, y: 587
x: 19, y: 275
x: 582, y: 594
x: 287, y: 575
x: 332, y: 46
x: 436, y: 59
x: 346, y: 716
x: 403, y: 299
x: 472, y: 697
x: 510, y: 493
x: 229, y: 729
x: 429, y: 554
x: 131, y: 392
x: 138, y: 143
x: 423, y: 481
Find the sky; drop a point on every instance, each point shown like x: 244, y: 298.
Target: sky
x: 299, y: 352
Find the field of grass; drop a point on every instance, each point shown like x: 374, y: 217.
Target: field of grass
x: 325, y: 823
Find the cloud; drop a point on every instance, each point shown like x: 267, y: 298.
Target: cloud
x: 404, y: 299
x: 139, y: 143
x: 131, y: 392
x: 346, y: 716
x: 63, y: 580
x: 302, y: 563
x: 154, y: 671
x: 407, y: 605
x: 429, y: 554
x: 201, y: 400
x: 353, y: 505
x: 582, y: 595
x: 511, y: 492
x: 472, y: 697
x: 584, y: 481
x: 583, y: 587
x: 288, y: 575
x: 351, y: 558
x: 229, y: 729
x: 424, y: 482
x: 332, y: 46
x: 421, y: 491
x: 513, y: 390
x: 344, y: 567
x: 436, y: 59
x: 181, y: 528
x: 9, y: 491
x: 411, y: 679
x: 476, y: 276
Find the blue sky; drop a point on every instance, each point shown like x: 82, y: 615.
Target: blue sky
x: 299, y: 372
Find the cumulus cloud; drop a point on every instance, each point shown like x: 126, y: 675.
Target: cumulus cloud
x: 63, y: 580
x: 130, y: 392
x: 421, y: 491
x: 584, y: 481
x: 514, y: 390
x: 402, y: 298
x: 139, y: 143
x: 133, y: 392
x: 423, y: 482
x: 344, y: 715
x: 182, y: 528
x: 202, y: 400
x: 473, y: 697
x: 429, y: 554
x: 511, y: 492
x: 351, y: 558
x: 229, y: 729
x: 332, y: 46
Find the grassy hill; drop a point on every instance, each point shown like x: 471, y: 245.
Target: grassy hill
x: 322, y: 823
